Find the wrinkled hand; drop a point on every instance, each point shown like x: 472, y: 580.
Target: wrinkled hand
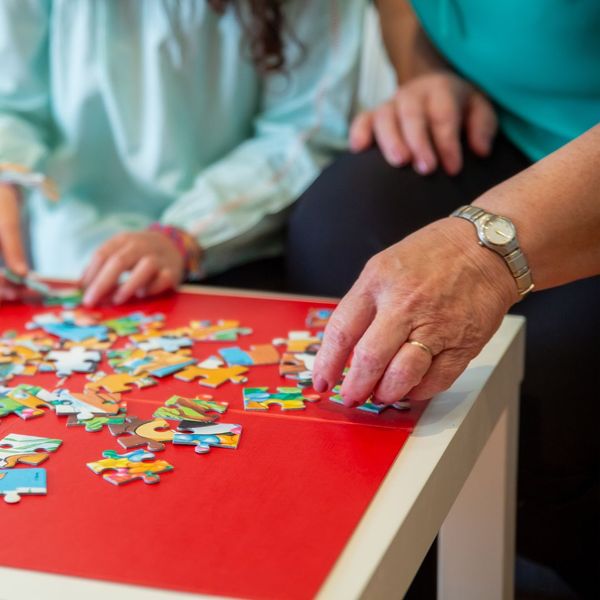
x: 152, y: 260
x: 422, y: 123
x: 438, y: 287
x: 11, y: 241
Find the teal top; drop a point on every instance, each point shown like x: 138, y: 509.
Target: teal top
x: 539, y: 60
x: 151, y: 110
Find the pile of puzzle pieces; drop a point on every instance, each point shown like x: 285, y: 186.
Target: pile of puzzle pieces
x: 74, y: 341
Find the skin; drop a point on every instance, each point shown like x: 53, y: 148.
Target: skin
x: 151, y: 259
x: 438, y: 286
x: 423, y: 122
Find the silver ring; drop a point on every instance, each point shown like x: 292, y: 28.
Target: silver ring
x: 421, y: 345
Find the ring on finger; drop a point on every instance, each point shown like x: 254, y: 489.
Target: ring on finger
x: 421, y: 345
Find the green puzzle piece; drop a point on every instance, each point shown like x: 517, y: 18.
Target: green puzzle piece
x: 96, y: 423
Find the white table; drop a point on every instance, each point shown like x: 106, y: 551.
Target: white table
x: 456, y: 475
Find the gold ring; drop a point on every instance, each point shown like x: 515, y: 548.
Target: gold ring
x: 421, y: 345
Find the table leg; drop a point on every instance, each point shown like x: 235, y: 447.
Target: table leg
x: 476, y: 545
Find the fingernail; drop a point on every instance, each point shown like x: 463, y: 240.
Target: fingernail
x: 88, y: 299
x: 422, y: 167
x: 320, y: 384
x: 117, y: 299
x: 398, y: 159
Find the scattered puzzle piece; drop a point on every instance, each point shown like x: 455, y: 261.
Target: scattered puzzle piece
x: 25, y: 449
x: 15, y: 483
x: 300, y: 341
x: 369, y: 405
x: 157, y: 340
x: 115, y: 383
x: 212, y: 375
x: 24, y: 401
x: 75, y: 326
x: 86, y: 405
x: 97, y: 422
x: 260, y: 354
x: 287, y: 398
x: 178, y: 408
x: 222, y: 331
x: 137, y: 432
x: 130, y: 467
x: 205, y: 435
x: 134, y: 323
x: 73, y: 360
x: 317, y: 318
x: 298, y: 367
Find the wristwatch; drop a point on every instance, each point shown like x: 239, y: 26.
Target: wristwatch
x: 499, y: 234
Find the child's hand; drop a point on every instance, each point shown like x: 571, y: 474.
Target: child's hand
x: 12, y: 249
x: 153, y: 260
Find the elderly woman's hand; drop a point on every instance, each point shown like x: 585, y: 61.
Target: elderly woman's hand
x: 437, y: 287
x: 422, y: 123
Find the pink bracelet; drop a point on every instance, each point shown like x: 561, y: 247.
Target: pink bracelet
x: 186, y: 246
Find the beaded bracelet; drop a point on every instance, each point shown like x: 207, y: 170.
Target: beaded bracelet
x: 186, y: 246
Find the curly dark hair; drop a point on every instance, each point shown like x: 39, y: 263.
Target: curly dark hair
x: 263, y: 23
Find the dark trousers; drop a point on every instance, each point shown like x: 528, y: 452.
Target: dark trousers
x: 358, y: 207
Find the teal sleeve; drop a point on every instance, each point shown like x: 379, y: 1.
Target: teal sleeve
x: 239, y: 201
x: 23, y: 84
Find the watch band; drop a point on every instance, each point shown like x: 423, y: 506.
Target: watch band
x: 512, y: 254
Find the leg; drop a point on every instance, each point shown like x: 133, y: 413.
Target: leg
x: 559, y: 490
x: 361, y: 205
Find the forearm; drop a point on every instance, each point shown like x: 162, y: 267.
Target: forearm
x: 408, y: 48
x: 555, y: 206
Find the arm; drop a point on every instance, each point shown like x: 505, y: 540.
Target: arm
x: 439, y: 287
x: 23, y: 116
x: 303, y: 118
x: 423, y: 122
x: 240, y: 201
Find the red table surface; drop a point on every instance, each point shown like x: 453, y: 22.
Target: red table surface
x: 267, y: 520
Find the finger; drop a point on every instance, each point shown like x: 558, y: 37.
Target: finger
x: 444, y: 122
x: 142, y: 275
x: 389, y: 137
x: 11, y: 240
x: 165, y: 280
x: 404, y: 372
x: 372, y: 356
x: 444, y: 370
x: 100, y: 257
x: 347, y: 323
x: 361, y: 132
x: 109, y: 274
x: 414, y: 129
x: 481, y: 124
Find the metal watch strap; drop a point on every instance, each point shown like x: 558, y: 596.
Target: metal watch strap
x: 515, y: 259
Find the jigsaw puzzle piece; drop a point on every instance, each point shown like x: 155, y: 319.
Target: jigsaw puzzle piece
x: 15, y: 483
x: 317, y: 318
x: 370, y: 406
x: 298, y: 367
x: 157, y: 340
x: 138, y: 432
x: 134, y: 323
x: 86, y: 405
x: 206, y: 435
x: 25, y: 449
x: 300, y: 342
x: 221, y: 331
x: 212, y: 374
x: 74, y: 360
x: 96, y: 423
x: 130, y: 467
x: 118, y: 382
x: 179, y: 408
x: 260, y: 354
x: 287, y: 398
x: 24, y: 401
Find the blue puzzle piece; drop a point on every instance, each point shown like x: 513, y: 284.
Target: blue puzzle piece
x: 17, y: 482
x: 76, y: 333
x: 236, y: 356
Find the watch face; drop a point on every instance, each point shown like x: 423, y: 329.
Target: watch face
x: 499, y: 231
